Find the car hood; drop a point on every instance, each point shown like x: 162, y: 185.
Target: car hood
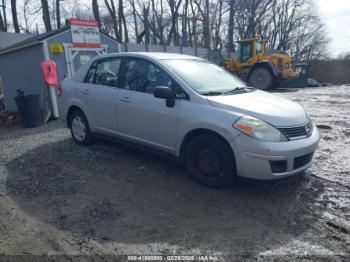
x: 273, y: 109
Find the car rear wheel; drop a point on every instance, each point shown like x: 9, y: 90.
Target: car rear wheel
x: 80, y: 129
x: 261, y: 78
x: 210, y: 161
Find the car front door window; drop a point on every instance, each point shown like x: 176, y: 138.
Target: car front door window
x: 143, y: 76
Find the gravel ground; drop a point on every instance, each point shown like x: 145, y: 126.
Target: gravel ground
x: 57, y: 198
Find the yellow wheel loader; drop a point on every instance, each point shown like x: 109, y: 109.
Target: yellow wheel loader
x: 259, y: 69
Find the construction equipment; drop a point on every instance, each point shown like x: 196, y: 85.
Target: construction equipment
x: 259, y: 69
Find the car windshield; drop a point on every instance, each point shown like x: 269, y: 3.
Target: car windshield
x: 205, y: 77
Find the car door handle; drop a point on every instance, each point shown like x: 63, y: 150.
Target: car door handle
x: 86, y: 92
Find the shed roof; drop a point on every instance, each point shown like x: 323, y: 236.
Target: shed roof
x: 36, y: 39
x: 7, y: 39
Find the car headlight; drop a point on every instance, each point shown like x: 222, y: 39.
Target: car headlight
x: 259, y: 129
x: 309, y: 127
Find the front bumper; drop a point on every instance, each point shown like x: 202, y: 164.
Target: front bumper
x: 254, y: 157
x: 289, y: 73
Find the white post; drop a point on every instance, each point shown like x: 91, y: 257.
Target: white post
x: 52, y: 91
x: 53, y: 102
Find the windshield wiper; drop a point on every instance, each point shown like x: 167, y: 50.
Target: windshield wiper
x: 211, y: 93
x: 241, y: 89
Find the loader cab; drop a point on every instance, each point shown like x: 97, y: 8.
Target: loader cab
x: 259, y: 47
x: 249, y: 48
x: 245, y: 51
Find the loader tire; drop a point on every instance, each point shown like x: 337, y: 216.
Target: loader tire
x: 261, y: 78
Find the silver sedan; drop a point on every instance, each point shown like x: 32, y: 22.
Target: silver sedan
x: 190, y: 109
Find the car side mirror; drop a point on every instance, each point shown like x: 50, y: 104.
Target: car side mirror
x: 165, y: 92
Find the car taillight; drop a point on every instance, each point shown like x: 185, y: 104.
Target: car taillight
x: 59, y: 90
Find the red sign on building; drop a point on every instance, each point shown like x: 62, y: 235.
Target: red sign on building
x: 85, y: 33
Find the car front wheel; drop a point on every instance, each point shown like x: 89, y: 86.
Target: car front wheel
x: 210, y: 161
x: 80, y: 129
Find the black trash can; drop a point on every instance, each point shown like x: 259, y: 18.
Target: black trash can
x: 30, y: 110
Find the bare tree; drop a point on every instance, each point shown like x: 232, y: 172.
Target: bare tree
x: 58, y: 13
x: 174, y: 10
x: 4, y: 18
x: 194, y: 32
x: 107, y: 24
x: 46, y: 15
x: 294, y: 26
x: 26, y: 3
x: 250, y: 14
x: 184, y: 24
x: 122, y: 23
x: 2, y: 24
x: 203, y: 10
x: 146, y: 25
x: 286, y: 25
x: 113, y: 13
x: 135, y: 20
x: 216, y: 24
x: 96, y: 12
x: 14, y: 16
x: 231, y: 26
x: 157, y: 24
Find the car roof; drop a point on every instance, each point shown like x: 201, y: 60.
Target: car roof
x: 80, y: 74
x: 154, y: 55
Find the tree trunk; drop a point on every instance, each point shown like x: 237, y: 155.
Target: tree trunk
x: 157, y: 25
x: 193, y: 35
x: 2, y: 24
x: 205, y: 21
x: 58, y: 14
x: 138, y: 39
x: 123, y: 21
x: 231, y: 28
x: 120, y: 25
x: 96, y: 12
x: 206, y: 30
x: 146, y: 25
x: 113, y: 14
x: 217, y: 41
x: 174, y: 9
x: 46, y: 15
x: 184, y: 25
x: 4, y: 14
x: 14, y: 16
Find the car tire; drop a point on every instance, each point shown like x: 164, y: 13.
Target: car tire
x: 80, y: 128
x: 210, y: 161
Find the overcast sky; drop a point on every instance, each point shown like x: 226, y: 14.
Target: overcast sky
x: 336, y: 16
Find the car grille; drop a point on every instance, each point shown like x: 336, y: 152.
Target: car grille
x: 302, y: 160
x: 294, y: 132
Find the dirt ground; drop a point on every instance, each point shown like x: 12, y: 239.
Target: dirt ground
x: 92, y: 203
